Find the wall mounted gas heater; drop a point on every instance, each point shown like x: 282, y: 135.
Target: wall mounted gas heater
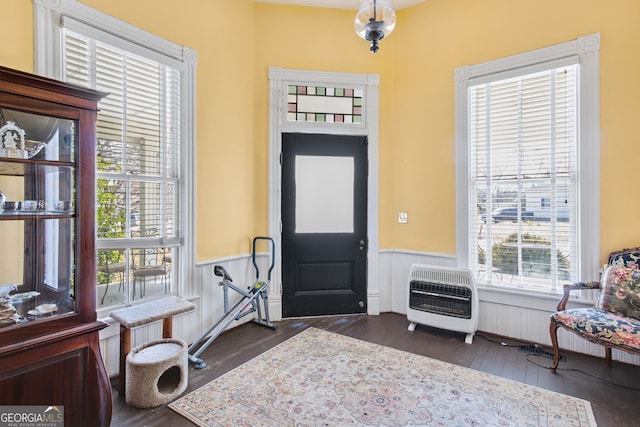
x: 443, y: 297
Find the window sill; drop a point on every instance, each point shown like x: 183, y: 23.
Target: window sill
x: 528, y: 298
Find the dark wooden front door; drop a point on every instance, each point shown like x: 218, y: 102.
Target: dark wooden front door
x: 324, y: 224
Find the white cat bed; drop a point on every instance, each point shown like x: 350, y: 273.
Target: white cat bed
x: 157, y: 372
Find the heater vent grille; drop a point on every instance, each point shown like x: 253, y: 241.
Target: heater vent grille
x: 448, y: 300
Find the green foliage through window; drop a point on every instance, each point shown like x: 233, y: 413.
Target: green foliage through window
x: 536, y: 256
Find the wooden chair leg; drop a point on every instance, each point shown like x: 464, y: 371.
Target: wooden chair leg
x: 607, y: 355
x: 553, y: 332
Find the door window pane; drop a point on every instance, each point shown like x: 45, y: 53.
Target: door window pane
x: 324, y: 194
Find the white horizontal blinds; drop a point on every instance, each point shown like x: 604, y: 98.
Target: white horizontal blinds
x: 138, y: 138
x: 523, y: 157
x: 141, y: 196
x: 138, y: 155
x: 142, y: 115
x: 77, y: 64
x: 111, y: 123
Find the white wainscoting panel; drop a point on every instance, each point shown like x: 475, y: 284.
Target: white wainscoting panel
x: 514, y: 316
x: 110, y: 348
x: 207, y: 295
x: 509, y: 314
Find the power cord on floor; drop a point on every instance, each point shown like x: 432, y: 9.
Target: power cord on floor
x: 502, y: 343
x: 583, y: 372
x: 528, y: 357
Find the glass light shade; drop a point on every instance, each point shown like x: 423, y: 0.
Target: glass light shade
x: 374, y: 23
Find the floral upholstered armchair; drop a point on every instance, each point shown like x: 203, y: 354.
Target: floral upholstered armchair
x: 614, y: 321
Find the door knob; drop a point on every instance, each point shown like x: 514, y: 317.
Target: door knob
x: 361, y: 244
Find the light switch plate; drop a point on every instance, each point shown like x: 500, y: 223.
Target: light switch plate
x: 403, y: 217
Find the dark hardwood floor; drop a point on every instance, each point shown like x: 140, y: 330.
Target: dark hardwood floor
x: 614, y: 392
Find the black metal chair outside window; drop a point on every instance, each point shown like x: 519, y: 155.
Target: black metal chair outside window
x: 112, y: 265
x: 150, y: 263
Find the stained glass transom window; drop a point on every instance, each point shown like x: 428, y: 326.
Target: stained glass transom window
x: 324, y: 104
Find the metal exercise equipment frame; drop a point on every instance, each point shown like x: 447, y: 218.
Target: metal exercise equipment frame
x: 253, y: 300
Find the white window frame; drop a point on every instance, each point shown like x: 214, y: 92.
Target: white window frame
x: 587, y: 50
x: 48, y: 19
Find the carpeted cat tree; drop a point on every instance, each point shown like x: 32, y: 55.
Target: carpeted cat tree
x: 157, y: 372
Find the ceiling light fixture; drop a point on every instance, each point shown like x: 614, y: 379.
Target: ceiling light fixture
x: 375, y: 20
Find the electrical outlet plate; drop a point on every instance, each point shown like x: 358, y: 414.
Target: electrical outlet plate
x: 403, y: 217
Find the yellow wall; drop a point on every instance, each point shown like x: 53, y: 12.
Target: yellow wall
x: 298, y: 37
x: 416, y: 64
x: 221, y: 31
x: 435, y: 37
x: 237, y: 40
x: 16, y: 49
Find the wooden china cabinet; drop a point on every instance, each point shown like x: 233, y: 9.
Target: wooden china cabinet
x: 49, y: 343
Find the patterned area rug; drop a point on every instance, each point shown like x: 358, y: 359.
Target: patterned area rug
x: 319, y: 378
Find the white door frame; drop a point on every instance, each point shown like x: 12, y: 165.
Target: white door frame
x: 279, y: 80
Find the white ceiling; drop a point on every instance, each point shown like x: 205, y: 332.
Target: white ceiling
x: 341, y: 4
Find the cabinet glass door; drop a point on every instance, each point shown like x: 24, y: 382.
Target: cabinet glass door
x: 37, y: 217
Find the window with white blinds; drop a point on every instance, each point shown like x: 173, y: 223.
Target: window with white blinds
x: 138, y: 165
x: 527, y: 180
x: 523, y: 178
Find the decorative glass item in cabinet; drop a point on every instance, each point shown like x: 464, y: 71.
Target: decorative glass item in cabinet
x: 37, y: 217
x: 32, y: 136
